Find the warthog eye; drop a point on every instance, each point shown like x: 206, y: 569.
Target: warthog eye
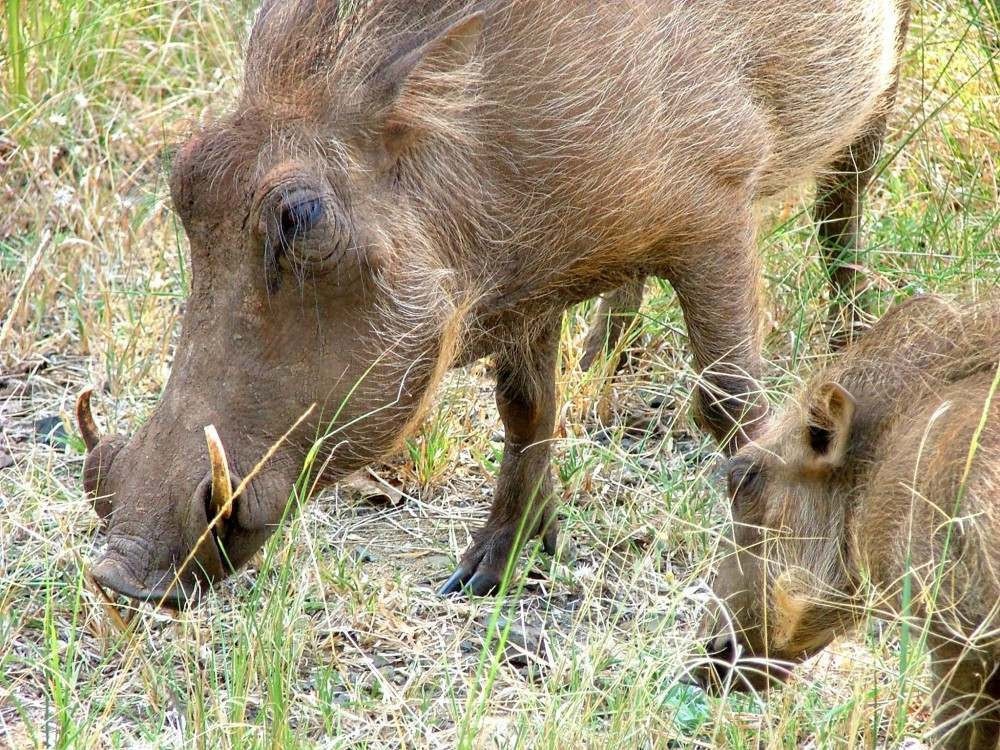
x: 286, y: 223
x: 303, y: 227
x: 299, y: 217
x: 745, y: 479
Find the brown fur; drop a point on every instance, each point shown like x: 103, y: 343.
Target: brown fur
x: 885, y: 470
x: 466, y: 171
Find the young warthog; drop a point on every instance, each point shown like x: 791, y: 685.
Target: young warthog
x: 413, y: 185
x: 885, y: 470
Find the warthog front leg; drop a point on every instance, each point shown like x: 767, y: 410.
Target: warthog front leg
x: 523, y: 507
x: 718, y: 287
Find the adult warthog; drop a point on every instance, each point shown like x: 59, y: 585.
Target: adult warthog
x: 410, y: 186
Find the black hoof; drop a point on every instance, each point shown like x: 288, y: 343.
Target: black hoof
x: 550, y: 540
x: 469, y: 583
x: 475, y: 574
x: 455, y: 583
x: 482, y: 584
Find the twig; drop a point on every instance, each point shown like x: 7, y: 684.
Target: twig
x: 28, y: 273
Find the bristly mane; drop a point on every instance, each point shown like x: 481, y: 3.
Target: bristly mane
x: 307, y: 58
x: 308, y: 42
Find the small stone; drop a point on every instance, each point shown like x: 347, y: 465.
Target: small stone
x: 6, y: 461
x: 372, y: 489
x: 50, y: 431
x: 525, y: 643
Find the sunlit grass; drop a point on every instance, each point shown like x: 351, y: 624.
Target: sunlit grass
x: 333, y: 635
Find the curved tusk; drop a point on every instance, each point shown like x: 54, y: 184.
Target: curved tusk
x: 222, y: 487
x: 85, y: 420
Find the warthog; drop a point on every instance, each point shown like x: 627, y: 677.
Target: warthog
x: 411, y: 186
x: 886, y: 470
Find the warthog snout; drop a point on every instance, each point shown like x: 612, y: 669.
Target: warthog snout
x: 130, y: 568
x: 165, y: 554
x: 163, y: 587
x: 721, y: 652
x: 729, y: 665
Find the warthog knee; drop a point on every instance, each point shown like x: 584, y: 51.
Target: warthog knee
x: 731, y: 406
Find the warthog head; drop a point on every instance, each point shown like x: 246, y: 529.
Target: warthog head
x: 322, y: 279
x: 810, y: 497
x: 775, y: 594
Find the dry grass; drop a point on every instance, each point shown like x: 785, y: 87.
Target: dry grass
x: 334, y: 637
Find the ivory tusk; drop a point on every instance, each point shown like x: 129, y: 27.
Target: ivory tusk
x: 85, y: 420
x: 222, y: 487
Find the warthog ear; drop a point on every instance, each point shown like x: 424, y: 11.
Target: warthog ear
x: 828, y: 429
x: 426, y: 87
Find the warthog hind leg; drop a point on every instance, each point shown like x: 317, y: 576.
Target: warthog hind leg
x: 839, y: 201
x: 616, y: 313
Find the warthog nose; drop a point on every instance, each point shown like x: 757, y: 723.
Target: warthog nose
x: 722, y: 647
x: 114, y: 575
x: 721, y: 652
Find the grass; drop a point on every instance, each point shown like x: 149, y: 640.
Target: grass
x: 333, y: 636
